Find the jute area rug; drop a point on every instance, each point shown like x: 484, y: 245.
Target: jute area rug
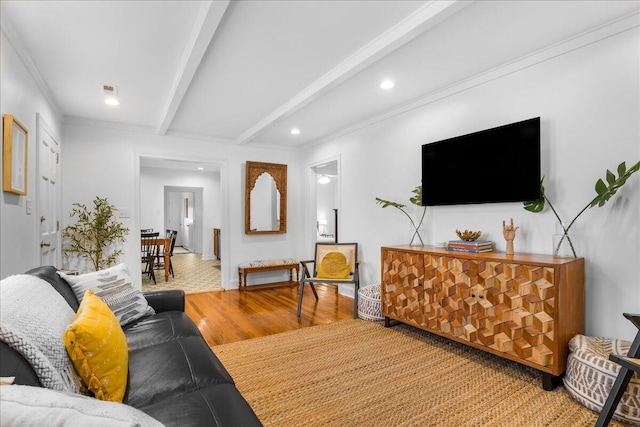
x: 358, y: 373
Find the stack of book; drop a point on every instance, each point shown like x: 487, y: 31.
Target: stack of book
x: 472, y: 247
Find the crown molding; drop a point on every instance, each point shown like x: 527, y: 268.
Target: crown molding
x: 200, y: 137
x: 12, y: 36
x: 103, y: 124
x: 571, y: 44
x: 149, y: 130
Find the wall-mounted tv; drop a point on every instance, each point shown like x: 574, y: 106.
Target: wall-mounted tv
x: 495, y: 165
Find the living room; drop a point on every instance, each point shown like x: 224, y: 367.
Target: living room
x: 583, y: 85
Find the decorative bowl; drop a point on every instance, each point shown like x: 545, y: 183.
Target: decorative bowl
x: 468, y: 235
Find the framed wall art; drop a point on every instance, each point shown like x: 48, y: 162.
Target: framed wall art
x: 14, y: 155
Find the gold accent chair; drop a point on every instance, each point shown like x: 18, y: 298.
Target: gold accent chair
x: 335, y: 263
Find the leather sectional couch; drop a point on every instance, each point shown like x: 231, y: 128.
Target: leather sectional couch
x: 173, y: 375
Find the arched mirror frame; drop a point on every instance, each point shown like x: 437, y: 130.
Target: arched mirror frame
x: 279, y: 174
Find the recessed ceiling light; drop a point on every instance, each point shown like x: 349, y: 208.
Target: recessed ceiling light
x: 387, y: 84
x: 111, y: 101
x: 295, y: 131
x: 200, y: 169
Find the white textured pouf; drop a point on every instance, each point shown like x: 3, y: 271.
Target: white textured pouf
x: 369, y: 306
x: 590, y: 376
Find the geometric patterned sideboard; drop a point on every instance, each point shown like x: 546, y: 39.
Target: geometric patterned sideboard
x: 522, y: 307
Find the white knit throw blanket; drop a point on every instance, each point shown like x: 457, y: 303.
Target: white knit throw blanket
x: 33, y: 318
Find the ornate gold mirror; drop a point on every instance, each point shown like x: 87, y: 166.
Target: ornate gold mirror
x: 265, y: 198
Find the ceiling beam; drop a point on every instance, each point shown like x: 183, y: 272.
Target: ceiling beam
x: 206, y: 25
x: 427, y: 16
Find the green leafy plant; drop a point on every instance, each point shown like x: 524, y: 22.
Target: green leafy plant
x: 94, y: 234
x: 416, y: 199
x: 604, y: 192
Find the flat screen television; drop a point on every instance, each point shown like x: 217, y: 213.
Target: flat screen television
x: 495, y: 165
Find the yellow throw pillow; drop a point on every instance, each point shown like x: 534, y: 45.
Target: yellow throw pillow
x: 98, y: 349
x: 334, y: 265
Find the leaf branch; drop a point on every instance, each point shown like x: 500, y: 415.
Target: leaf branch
x: 416, y: 200
x: 604, y: 192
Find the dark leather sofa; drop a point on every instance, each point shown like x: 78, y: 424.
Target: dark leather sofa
x: 173, y: 374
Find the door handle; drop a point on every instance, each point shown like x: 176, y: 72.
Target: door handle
x: 44, y: 245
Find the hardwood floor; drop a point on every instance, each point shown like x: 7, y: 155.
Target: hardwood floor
x: 235, y: 315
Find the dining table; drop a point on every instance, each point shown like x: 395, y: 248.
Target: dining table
x: 166, y: 242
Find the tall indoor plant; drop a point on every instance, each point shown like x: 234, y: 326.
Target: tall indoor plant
x: 95, y: 234
x: 416, y: 199
x: 604, y: 192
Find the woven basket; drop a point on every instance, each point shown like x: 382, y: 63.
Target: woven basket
x: 369, y: 306
x: 590, y: 376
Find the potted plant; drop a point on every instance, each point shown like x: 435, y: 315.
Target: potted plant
x: 416, y: 199
x: 95, y: 234
x: 604, y: 192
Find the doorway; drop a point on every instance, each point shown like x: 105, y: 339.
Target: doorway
x: 183, y: 209
x: 186, y: 196
x: 326, y: 201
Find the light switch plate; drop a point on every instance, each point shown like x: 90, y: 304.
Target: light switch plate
x: 28, y: 206
x: 124, y: 212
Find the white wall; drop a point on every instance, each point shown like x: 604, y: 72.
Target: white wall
x: 588, y: 100
x: 152, y: 210
x: 100, y: 161
x: 21, y: 97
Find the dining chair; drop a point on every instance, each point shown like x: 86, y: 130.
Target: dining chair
x: 148, y: 251
x: 171, y: 235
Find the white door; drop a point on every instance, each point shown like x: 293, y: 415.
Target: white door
x: 174, y: 215
x: 48, y: 194
x: 187, y: 221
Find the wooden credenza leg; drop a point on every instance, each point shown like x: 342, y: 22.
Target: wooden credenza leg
x: 550, y: 382
x: 389, y: 322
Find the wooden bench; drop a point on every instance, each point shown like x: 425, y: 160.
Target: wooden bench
x: 268, y: 265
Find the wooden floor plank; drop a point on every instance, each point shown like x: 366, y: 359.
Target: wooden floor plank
x: 236, y: 315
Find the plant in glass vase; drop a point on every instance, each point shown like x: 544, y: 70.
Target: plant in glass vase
x: 416, y: 199
x: 604, y: 192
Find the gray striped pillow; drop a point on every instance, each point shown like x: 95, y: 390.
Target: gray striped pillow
x: 115, y: 287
